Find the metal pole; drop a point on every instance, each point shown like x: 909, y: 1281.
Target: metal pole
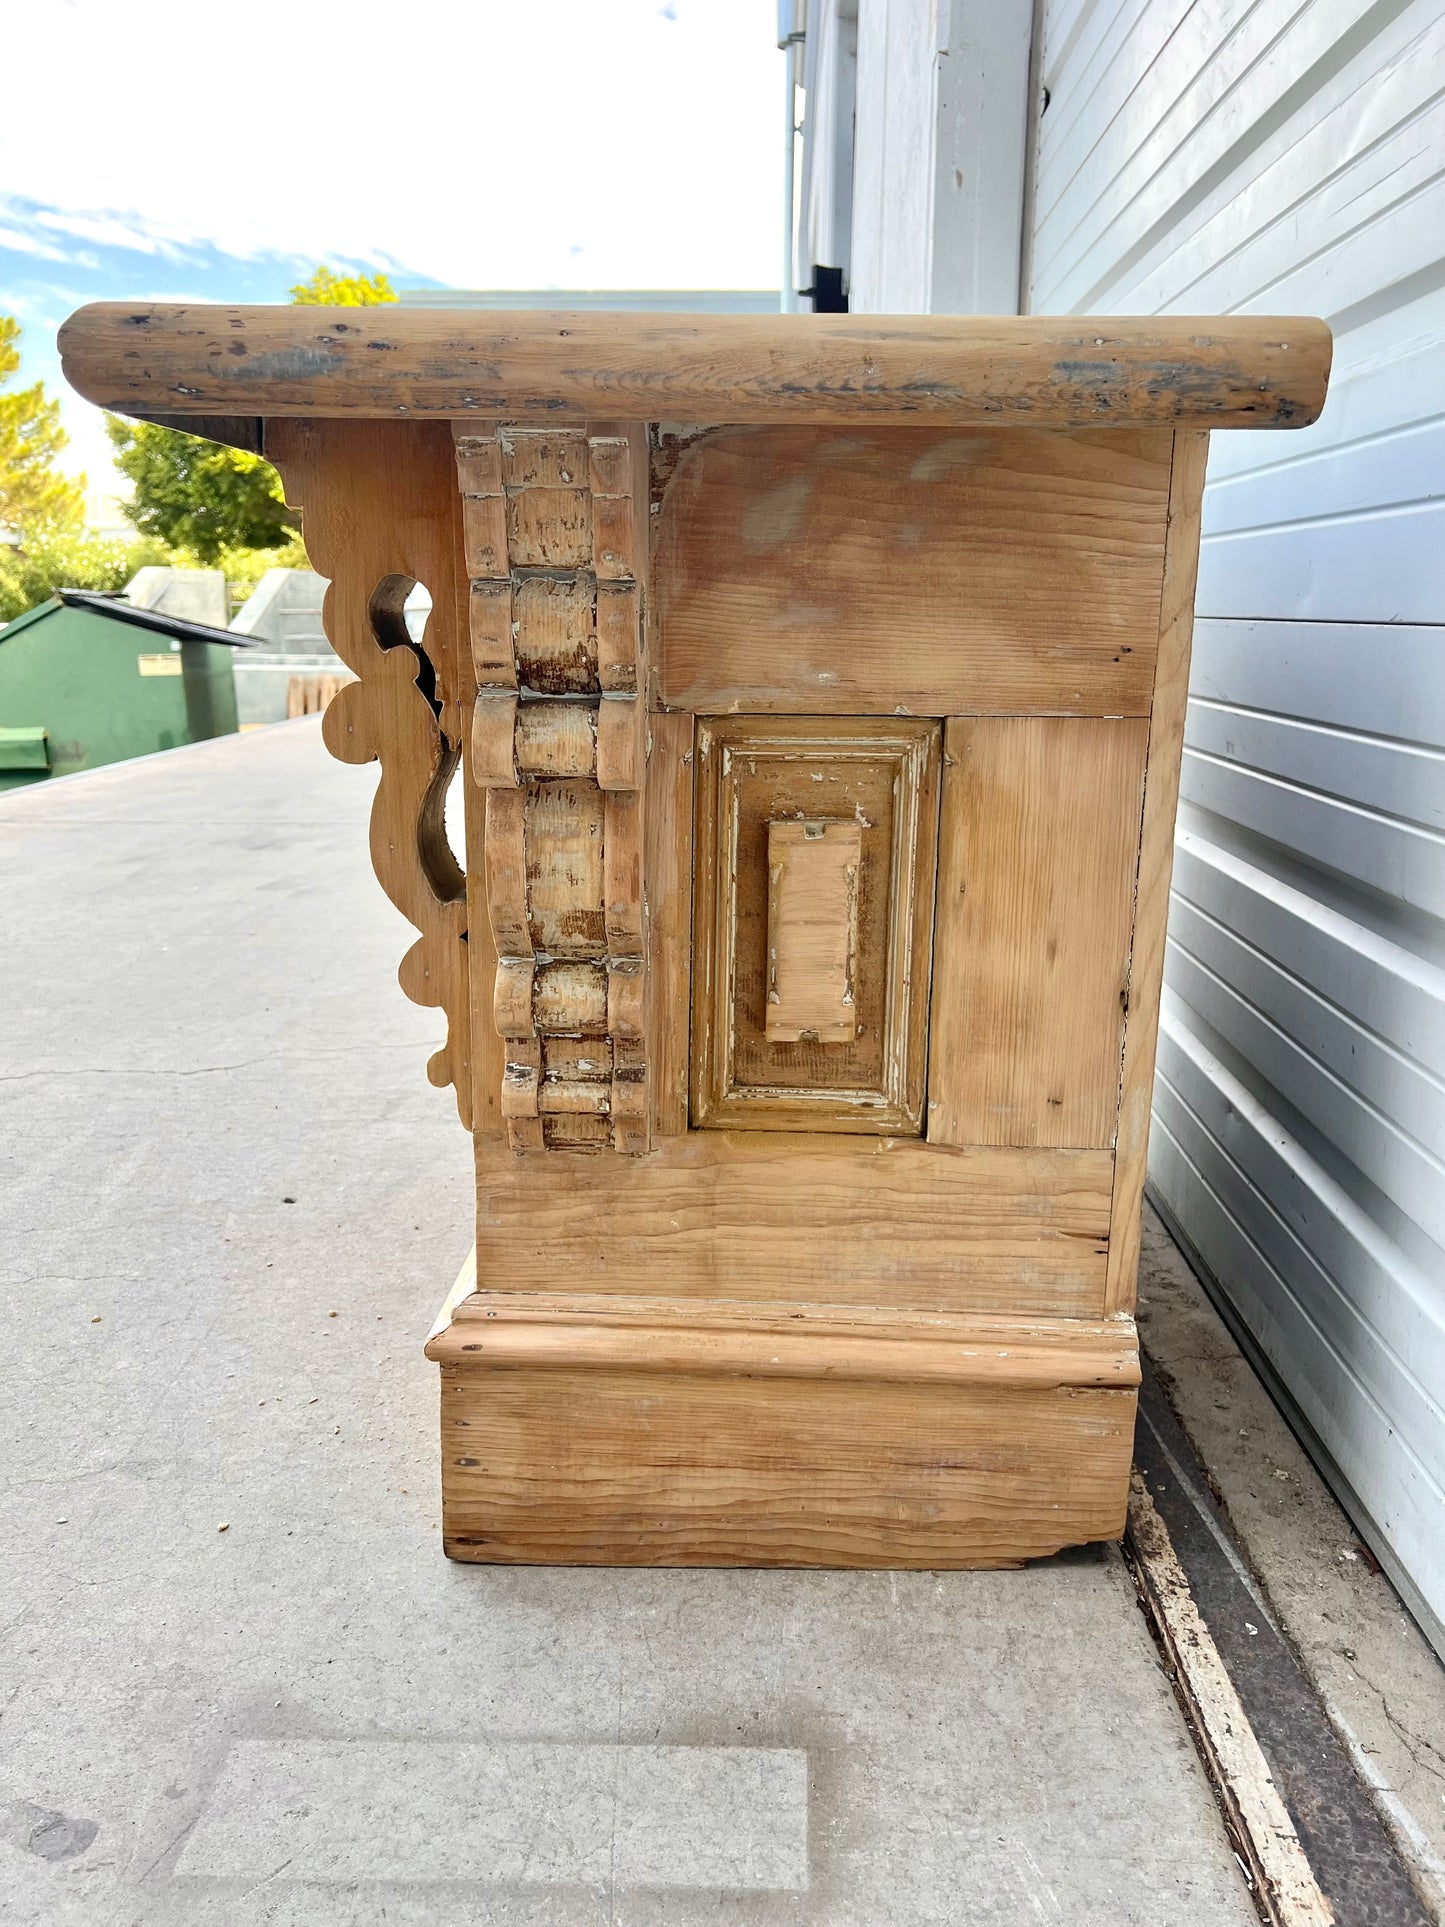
x: 790, y: 36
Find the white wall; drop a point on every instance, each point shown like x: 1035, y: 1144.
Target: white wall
x: 942, y: 123
x: 1217, y: 156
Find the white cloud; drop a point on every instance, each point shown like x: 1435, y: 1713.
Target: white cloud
x: 475, y: 143
x: 106, y: 230
x: 23, y: 243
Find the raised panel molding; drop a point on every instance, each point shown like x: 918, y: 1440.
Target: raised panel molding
x: 878, y: 780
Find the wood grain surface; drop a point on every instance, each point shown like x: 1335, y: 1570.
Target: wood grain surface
x: 1038, y: 854
x: 1044, y: 371
x: 814, y: 1218
x: 813, y: 870
x: 1156, y: 863
x: 907, y: 571
x: 782, y: 1341
x: 668, y: 890
x: 586, y: 1467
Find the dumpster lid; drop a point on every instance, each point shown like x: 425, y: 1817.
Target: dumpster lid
x: 176, y: 627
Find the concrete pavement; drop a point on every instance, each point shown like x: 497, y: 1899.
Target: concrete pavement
x: 232, y: 1206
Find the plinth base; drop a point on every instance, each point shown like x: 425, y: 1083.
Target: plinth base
x: 665, y: 1432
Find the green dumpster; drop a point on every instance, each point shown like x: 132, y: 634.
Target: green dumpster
x: 87, y: 679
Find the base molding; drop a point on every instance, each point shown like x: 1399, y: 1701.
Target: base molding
x: 619, y: 1430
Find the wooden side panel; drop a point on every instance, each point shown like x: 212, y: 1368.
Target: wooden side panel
x: 668, y: 891
x: 814, y: 1219
x: 1039, y: 842
x: 851, y: 571
x: 1156, y: 861
x: 627, y: 1468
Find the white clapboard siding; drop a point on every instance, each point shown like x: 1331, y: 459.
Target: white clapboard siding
x: 1264, y: 1213
x: 1288, y: 157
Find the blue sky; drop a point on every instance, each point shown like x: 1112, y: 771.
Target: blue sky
x: 175, y: 156
x: 53, y: 260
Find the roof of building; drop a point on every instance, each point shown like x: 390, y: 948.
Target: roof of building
x: 595, y: 300
x: 119, y: 610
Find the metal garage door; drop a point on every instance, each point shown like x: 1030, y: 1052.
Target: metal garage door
x: 1287, y: 158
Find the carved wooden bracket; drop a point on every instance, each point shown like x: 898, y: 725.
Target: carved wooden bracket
x: 380, y: 516
x: 555, y: 534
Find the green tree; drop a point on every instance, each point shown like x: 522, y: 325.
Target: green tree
x: 32, y: 489
x: 199, y: 495
x: 215, y: 502
x: 243, y: 568
x: 52, y: 557
x: 327, y: 289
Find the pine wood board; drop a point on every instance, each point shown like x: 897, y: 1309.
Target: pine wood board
x: 812, y: 1218
x: 585, y: 1467
x: 1039, y: 850
x: 668, y: 889
x: 909, y: 571
x: 1284, y: 1881
x: 1156, y: 864
x: 668, y: 1335
x: 1047, y: 371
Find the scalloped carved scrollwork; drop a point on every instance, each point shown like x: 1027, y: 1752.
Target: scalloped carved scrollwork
x: 379, y: 511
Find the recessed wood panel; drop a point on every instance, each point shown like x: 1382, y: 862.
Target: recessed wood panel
x: 879, y: 571
x: 873, y: 780
x: 813, y: 1218
x: 1039, y: 849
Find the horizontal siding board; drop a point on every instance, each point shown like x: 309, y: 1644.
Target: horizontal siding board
x: 1388, y: 568
x: 1342, y: 1059
x: 1101, y: 43
x: 1289, y: 193
x: 1333, y: 479
x: 1376, y: 1418
x: 1401, y: 779
x: 1308, y: 263
x: 1387, y: 679
x: 1394, y: 1297
x: 1345, y: 1080
x: 1390, y: 857
x: 1376, y: 984
x: 1372, y: 1142
x: 1118, y: 65
x: 1347, y: 1350
x: 1205, y: 98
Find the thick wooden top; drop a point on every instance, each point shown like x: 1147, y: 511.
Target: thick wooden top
x: 931, y: 370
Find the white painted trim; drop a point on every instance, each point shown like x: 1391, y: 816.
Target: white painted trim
x: 939, y: 155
